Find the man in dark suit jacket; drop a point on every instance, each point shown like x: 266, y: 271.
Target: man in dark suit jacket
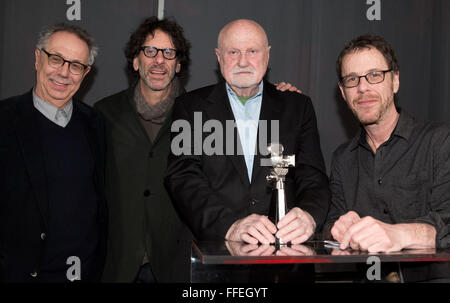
x: 226, y: 196
x: 147, y: 241
x: 52, y: 207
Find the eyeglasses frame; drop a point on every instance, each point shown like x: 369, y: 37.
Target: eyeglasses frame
x: 142, y: 48
x: 365, y: 76
x: 64, y: 62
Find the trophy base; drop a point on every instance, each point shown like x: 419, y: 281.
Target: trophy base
x: 279, y: 243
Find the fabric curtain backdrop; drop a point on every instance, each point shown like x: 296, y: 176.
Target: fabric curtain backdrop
x: 306, y: 37
x: 109, y: 21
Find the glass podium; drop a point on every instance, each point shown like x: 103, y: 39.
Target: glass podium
x: 229, y: 261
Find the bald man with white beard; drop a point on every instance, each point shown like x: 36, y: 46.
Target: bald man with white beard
x: 227, y: 197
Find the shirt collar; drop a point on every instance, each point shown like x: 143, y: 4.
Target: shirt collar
x: 258, y: 94
x: 403, y: 129
x: 49, y: 110
x: 405, y: 125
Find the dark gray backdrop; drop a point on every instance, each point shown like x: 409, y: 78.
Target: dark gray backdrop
x: 109, y: 21
x: 306, y: 37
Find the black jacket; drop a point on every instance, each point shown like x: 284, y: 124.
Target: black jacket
x: 213, y: 191
x: 142, y: 216
x: 23, y: 190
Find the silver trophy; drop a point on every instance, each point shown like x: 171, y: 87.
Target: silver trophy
x: 280, y: 164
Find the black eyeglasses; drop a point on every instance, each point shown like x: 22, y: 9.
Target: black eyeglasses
x: 57, y: 61
x: 151, y: 52
x: 373, y: 77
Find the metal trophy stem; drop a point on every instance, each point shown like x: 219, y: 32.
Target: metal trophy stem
x: 280, y: 164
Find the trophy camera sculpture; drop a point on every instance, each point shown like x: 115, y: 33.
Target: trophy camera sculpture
x: 280, y: 164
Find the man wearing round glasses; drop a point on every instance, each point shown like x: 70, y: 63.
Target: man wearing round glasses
x: 52, y: 207
x: 157, y: 65
x: 147, y: 240
x: 390, y: 184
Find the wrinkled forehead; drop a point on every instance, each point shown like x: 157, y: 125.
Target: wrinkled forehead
x: 68, y: 45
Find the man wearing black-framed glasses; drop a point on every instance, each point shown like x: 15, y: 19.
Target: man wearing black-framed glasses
x: 152, y: 52
x: 390, y: 184
x: 147, y: 240
x: 52, y: 206
x: 56, y: 61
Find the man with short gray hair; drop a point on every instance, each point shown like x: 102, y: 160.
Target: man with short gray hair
x: 147, y: 241
x: 52, y: 210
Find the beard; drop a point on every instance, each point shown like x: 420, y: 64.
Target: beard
x: 242, y: 81
x: 157, y: 84
x: 375, y: 113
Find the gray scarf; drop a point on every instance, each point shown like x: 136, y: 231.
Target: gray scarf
x: 156, y: 113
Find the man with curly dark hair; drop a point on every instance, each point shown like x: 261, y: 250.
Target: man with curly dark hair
x: 147, y: 241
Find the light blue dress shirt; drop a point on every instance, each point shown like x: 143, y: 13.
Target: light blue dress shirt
x: 59, y: 116
x: 247, y: 118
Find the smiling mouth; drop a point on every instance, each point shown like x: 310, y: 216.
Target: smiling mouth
x: 59, y: 84
x: 366, y: 100
x: 158, y: 74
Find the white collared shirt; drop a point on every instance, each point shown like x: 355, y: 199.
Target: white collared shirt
x: 247, y: 119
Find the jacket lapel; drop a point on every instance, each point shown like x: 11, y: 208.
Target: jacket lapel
x: 29, y: 140
x: 219, y: 108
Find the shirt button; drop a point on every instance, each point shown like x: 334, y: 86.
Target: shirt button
x: 147, y: 193
x: 150, y: 154
x: 380, y: 181
x: 253, y: 201
x: 385, y: 211
x: 43, y: 236
x: 33, y: 274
